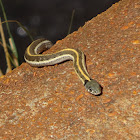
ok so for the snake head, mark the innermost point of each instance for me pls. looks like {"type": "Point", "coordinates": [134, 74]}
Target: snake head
{"type": "Point", "coordinates": [93, 87]}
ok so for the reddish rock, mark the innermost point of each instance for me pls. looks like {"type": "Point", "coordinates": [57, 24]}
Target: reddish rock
{"type": "Point", "coordinates": [52, 103]}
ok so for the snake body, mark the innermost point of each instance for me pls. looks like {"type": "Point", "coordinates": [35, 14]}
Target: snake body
{"type": "Point", "coordinates": [34, 58]}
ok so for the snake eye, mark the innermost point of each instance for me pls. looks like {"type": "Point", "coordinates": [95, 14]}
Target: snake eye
{"type": "Point", "coordinates": [89, 90]}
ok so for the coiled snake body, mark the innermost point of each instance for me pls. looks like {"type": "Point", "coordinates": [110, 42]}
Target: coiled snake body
{"type": "Point", "coordinates": [34, 58]}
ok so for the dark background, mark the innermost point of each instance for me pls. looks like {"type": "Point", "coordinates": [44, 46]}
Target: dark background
{"type": "Point", "coordinates": [47, 18]}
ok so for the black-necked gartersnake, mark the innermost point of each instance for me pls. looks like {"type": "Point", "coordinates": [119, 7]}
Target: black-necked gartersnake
{"type": "Point", "coordinates": [34, 58]}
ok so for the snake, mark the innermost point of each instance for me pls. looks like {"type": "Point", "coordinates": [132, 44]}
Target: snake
{"type": "Point", "coordinates": [34, 57]}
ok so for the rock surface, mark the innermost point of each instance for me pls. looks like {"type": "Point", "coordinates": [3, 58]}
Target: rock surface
{"type": "Point", "coordinates": [51, 102]}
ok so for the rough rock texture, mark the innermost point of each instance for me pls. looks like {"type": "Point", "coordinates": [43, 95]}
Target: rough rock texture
{"type": "Point", "coordinates": [51, 102]}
